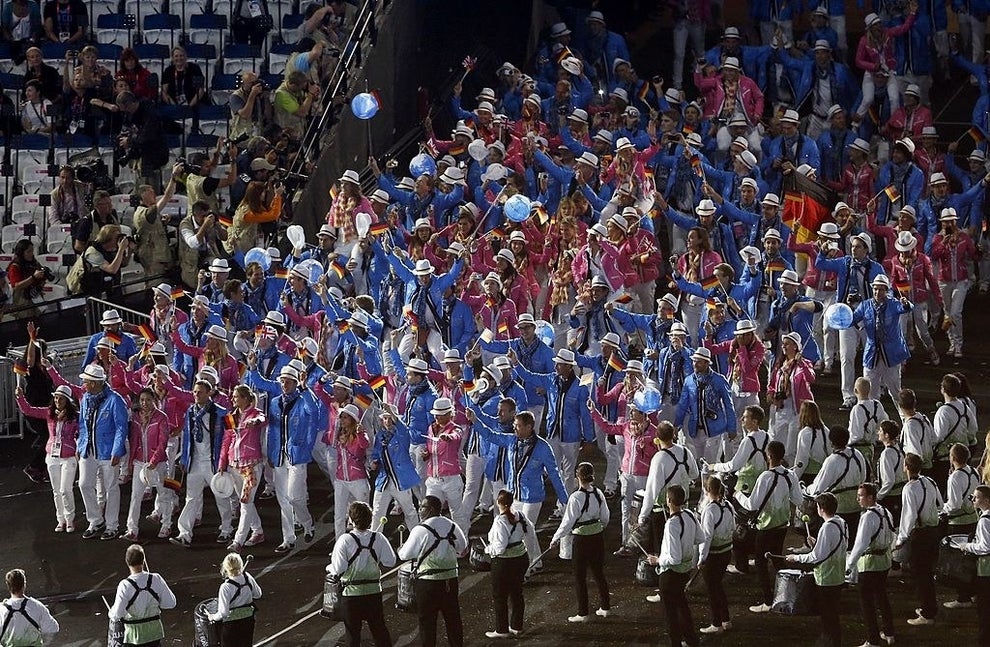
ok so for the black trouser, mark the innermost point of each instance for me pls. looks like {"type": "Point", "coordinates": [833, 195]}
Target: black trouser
{"type": "Point", "coordinates": [852, 525]}
{"type": "Point", "coordinates": [741, 551]}
{"type": "Point", "coordinates": [828, 609]}
{"type": "Point", "coordinates": [508, 574]}
{"type": "Point", "coordinates": [714, 571]}
{"type": "Point", "coordinates": [680, 625]}
{"type": "Point", "coordinates": [589, 554]}
{"type": "Point", "coordinates": [983, 611]}
{"type": "Point", "coordinates": [237, 633]}
{"type": "Point", "coordinates": [768, 541]}
{"type": "Point", "coordinates": [924, 556]}
{"type": "Point", "coordinates": [873, 596]}
{"type": "Point", "coordinates": [893, 504]}
{"type": "Point", "coordinates": [358, 609]}
{"type": "Point", "coordinates": [434, 597]}
{"type": "Point", "coordinates": [964, 593]}
{"type": "Point", "coordinates": [940, 473]}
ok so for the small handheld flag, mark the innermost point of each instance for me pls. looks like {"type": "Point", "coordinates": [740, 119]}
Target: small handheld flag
{"type": "Point", "coordinates": [113, 337]}
{"type": "Point", "coordinates": [378, 229]}
{"type": "Point", "coordinates": [229, 422]}
{"type": "Point", "coordinates": [282, 273]}
{"type": "Point", "coordinates": [147, 332]}
{"type": "Point", "coordinates": [710, 283]}
{"type": "Point", "coordinates": [616, 363]}
{"type": "Point", "coordinates": [178, 293]}
{"type": "Point", "coordinates": [362, 400]}
{"type": "Point", "coordinates": [776, 265]}
{"type": "Point", "coordinates": [903, 287]}
{"type": "Point", "coordinates": [20, 367]}
{"type": "Point", "coordinates": [487, 336]}
{"type": "Point", "coordinates": [892, 193]}
{"type": "Point", "coordinates": [976, 135]}
{"type": "Point", "coordinates": [226, 221]}
{"type": "Point", "coordinates": [334, 191]}
{"type": "Point", "coordinates": [503, 328]}
{"type": "Point", "coordinates": [623, 299]}
{"type": "Point", "coordinates": [338, 269]}
{"type": "Point", "coordinates": [377, 382]}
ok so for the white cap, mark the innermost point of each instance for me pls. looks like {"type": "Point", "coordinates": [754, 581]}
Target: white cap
{"type": "Point", "coordinates": [794, 337]}
{"type": "Point", "coordinates": [771, 199]}
{"type": "Point", "coordinates": [748, 159]}
{"type": "Point", "coordinates": [871, 19]}
{"type": "Point", "coordinates": [948, 213]}
{"type": "Point", "coordinates": [744, 326]}
{"type": "Point", "coordinates": [351, 176]}
{"type": "Point", "coordinates": [217, 332]}
{"type": "Point", "coordinates": [589, 158]}
{"type": "Point", "coordinates": [790, 116]}
{"type": "Point", "coordinates": [937, 178]}
{"type": "Point", "coordinates": [705, 208]}
{"type": "Point", "coordinates": [611, 339]}
{"type": "Point", "coordinates": [829, 229]}
{"type": "Point", "coordinates": [905, 242]}
{"type": "Point", "coordinates": [790, 277]}
{"type": "Point", "coordinates": [416, 365]}
{"type": "Point", "coordinates": [702, 354]}
{"type": "Point", "coordinates": [423, 267]}
{"type": "Point", "coordinates": [219, 265]}
{"type": "Point", "coordinates": [913, 90]}
{"type": "Point", "coordinates": [352, 411]}
{"type": "Point", "coordinates": [274, 318]}
{"type": "Point", "coordinates": [773, 234]}
{"type": "Point", "coordinates": [288, 373]}
{"type": "Point", "coordinates": [881, 280]}
{"type": "Point", "coordinates": [452, 355]}
{"type": "Point", "coordinates": [525, 319]}
{"type": "Point", "coordinates": [380, 196]}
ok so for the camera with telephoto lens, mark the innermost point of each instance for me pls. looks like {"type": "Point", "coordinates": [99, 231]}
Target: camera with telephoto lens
{"type": "Point", "coordinates": [711, 415]}
{"type": "Point", "coordinates": [49, 275]}
{"type": "Point", "coordinates": [854, 300]}
{"type": "Point", "coordinates": [185, 166]}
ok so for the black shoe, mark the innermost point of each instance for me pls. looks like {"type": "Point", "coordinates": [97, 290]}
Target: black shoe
{"type": "Point", "coordinates": [611, 494]}
{"type": "Point", "coordinates": [847, 406]}
{"type": "Point", "coordinates": [284, 548]}
{"type": "Point", "coordinates": [92, 533]}
{"type": "Point", "coordinates": [267, 494]}
{"type": "Point", "coordinates": [297, 527]}
{"type": "Point", "coordinates": [225, 537]}
{"type": "Point", "coordinates": [309, 536]}
{"type": "Point", "coordinates": [109, 535]}
{"type": "Point", "coordinates": [179, 541]}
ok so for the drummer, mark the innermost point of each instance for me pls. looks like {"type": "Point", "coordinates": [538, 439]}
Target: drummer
{"type": "Point", "coordinates": [843, 471]}
{"type": "Point", "coordinates": [507, 547]}
{"type": "Point", "coordinates": [960, 510]}
{"type": "Point", "coordinates": [25, 620]}
{"type": "Point", "coordinates": [920, 505]}
{"type": "Point", "coordinates": [141, 597]}
{"type": "Point", "coordinates": [980, 547]}
{"type": "Point", "coordinates": [870, 557]}
{"type": "Point", "coordinates": [235, 603]}
{"type": "Point", "coordinates": [890, 468]}
{"type": "Point", "coordinates": [829, 558]}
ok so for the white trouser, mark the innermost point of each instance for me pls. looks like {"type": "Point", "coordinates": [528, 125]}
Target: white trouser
{"type": "Point", "coordinates": [566, 455]}
{"type": "Point", "coordinates": [138, 488]}
{"type": "Point", "coordinates": [403, 498]}
{"type": "Point", "coordinates": [768, 29]}
{"type": "Point", "coordinates": [827, 339]}
{"type": "Point", "coordinates": [489, 492]}
{"type": "Point", "coordinates": [198, 480]}
{"type": "Point", "coordinates": [434, 343]}
{"type": "Point", "coordinates": [450, 490]}
{"type": "Point", "coordinates": [171, 455]}
{"type": "Point", "coordinates": [739, 403]}
{"type": "Point", "coordinates": [325, 458]}
{"type": "Point", "coordinates": [630, 484]}
{"type": "Point", "coordinates": [762, 315]}
{"type": "Point", "coordinates": [691, 314]}
{"type": "Point", "coordinates": [870, 85]}
{"type": "Point", "coordinates": [954, 298]}
{"type": "Point", "coordinates": [343, 493]}
{"type": "Point", "coordinates": [702, 445]}
{"type": "Point", "coordinates": [882, 376]}
{"type": "Point", "coordinates": [784, 427]}
{"type": "Point", "coordinates": [537, 410]}
{"type": "Point", "coordinates": [474, 482]}
{"type": "Point", "coordinates": [613, 457]}
{"type": "Point", "coordinates": [838, 23]}
{"type": "Point", "coordinates": [683, 29]}
{"type": "Point", "coordinates": [816, 126]}
{"type": "Point", "coordinates": [918, 319]}
{"type": "Point", "coordinates": [290, 491]}
{"type": "Point", "coordinates": [973, 33]}
{"type": "Point", "coordinates": [849, 340]}
{"type": "Point", "coordinates": [643, 297]}
{"type": "Point", "coordinates": [91, 473]}
{"type": "Point", "coordinates": [416, 454]}
{"type": "Point", "coordinates": [532, 513]}
{"type": "Point", "coordinates": [62, 474]}
{"type": "Point", "coordinates": [249, 521]}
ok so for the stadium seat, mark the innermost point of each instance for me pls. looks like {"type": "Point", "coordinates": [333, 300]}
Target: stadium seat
{"type": "Point", "coordinates": [6, 59]}
{"type": "Point", "coordinates": [24, 208]}
{"type": "Point", "coordinates": [10, 234]}
{"type": "Point", "coordinates": [101, 7]}
{"type": "Point", "coordinates": [223, 86]}
{"type": "Point", "coordinates": [290, 28]}
{"type": "Point", "coordinates": [241, 58]}
{"type": "Point", "coordinates": [142, 8]}
{"type": "Point", "coordinates": [222, 7]}
{"type": "Point", "coordinates": [192, 8]}
{"type": "Point", "coordinates": [54, 291]}
{"type": "Point", "coordinates": [215, 127]}
{"type": "Point", "coordinates": [53, 261]}
{"type": "Point", "coordinates": [279, 56]}
{"type": "Point", "coordinates": [122, 205]}
{"type": "Point", "coordinates": [161, 28]}
{"type": "Point", "coordinates": [59, 239]}
{"type": "Point", "coordinates": [207, 29]}
{"type": "Point", "coordinates": [35, 179]}
{"type": "Point", "coordinates": [11, 84]}
{"type": "Point", "coordinates": [116, 28]}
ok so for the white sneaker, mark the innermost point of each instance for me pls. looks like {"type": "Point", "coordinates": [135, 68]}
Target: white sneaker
{"type": "Point", "coordinates": [888, 639]}
{"type": "Point", "coordinates": [578, 619]}
{"type": "Point", "coordinates": [495, 634]}
{"type": "Point", "coordinates": [603, 613]}
{"type": "Point", "coordinates": [655, 598]}
{"type": "Point", "coordinates": [956, 604]}
{"type": "Point", "coordinates": [869, 644]}
{"type": "Point", "coordinates": [921, 621]}
{"type": "Point", "coordinates": [760, 608]}
{"type": "Point", "coordinates": [711, 629]}
{"type": "Point", "coordinates": [726, 625]}
{"type": "Point", "coordinates": [731, 568]}
{"type": "Point", "coordinates": [515, 632]}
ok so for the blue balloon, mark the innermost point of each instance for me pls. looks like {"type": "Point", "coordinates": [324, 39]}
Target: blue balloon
{"type": "Point", "coordinates": [422, 164]}
{"type": "Point", "coordinates": [315, 269]}
{"type": "Point", "coordinates": [647, 400]}
{"type": "Point", "coordinates": [259, 256]}
{"type": "Point", "coordinates": [364, 105]}
{"type": "Point", "coordinates": [517, 208]}
{"type": "Point", "coordinates": [838, 316]}
{"type": "Point", "coordinates": [545, 332]}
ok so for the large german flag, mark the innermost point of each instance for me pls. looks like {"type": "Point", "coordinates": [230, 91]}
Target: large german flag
{"type": "Point", "coordinates": [807, 204]}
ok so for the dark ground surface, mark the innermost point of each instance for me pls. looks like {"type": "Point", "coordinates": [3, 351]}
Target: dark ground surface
{"type": "Point", "coordinates": [71, 575]}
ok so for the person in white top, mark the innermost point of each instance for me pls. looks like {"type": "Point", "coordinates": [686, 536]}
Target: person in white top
{"type": "Point", "coordinates": [24, 620]}
{"type": "Point", "coordinates": [870, 558]}
{"type": "Point", "coordinates": [917, 433]}
{"type": "Point", "coordinates": [864, 419]}
{"type": "Point", "coordinates": [507, 547]}
{"type": "Point", "coordinates": [141, 597]}
{"type": "Point", "coordinates": [952, 424]}
{"type": "Point", "coordinates": [842, 473]}
{"type": "Point", "coordinates": [672, 465]}
{"type": "Point", "coordinates": [920, 505]}
{"type": "Point", "coordinates": [36, 110]}
{"type": "Point", "coordinates": [717, 525]}
{"type": "Point", "coordinates": [235, 603]}
{"type": "Point", "coordinates": [980, 547]}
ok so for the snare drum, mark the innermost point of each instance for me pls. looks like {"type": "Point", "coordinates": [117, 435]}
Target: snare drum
{"type": "Point", "coordinates": [646, 575]}
{"type": "Point", "coordinates": [332, 591]}
{"type": "Point", "coordinates": [405, 595]}
{"type": "Point", "coordinates": [115, 633]}
{"type": "Point", "coordinates": [479, 558]}
{"type": "Point", "coordinates": [955, 568]}
{"type": "Point", "coordinates": [794, 594]}
{"type": "Point", "coordinates": [207, 632]}
{"type": "Point", "coordinates": [566, 546]}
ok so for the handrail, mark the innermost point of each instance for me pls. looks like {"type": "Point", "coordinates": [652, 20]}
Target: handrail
{"type": "Point", "coordinates": [75, 297]}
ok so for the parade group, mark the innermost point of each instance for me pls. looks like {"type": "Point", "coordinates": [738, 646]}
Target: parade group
{"type": "Point", "coordinates": [635, 273]}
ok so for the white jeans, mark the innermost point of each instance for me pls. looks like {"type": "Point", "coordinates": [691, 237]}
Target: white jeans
{"type": "Point", "coordinates": [434, 343]}
{"type": "Point", "coordinates": [883, 376]}
{"type": "Point", "coordinates": [532, 513]}
{"type": "Point", "coordinates": [403, 498]}
{"type": "Point", "coordinates": [450, 490]}
{"type": "Point", "coordinates": [973, 33]}
{"type": "Point", "coordinates": [249, 521]}
{"type": "Point", "coordinates": [691, 315]}
{"type": "Point", "coordinates": [325, 458]}
{"type": "Point", "coordinates": [613, 457]}
{"type": "Point", "coordinates": [91, 472]}
{"type": "Point", "coordinates": [917, 319]}
{"type": "Point", "coordinates": [629, 486]}
{"type": "Point", "coordinates": [849, 340]}
{"type": "Point", "coordinates": [62, 474]}
{"type": "Point", "coordinates": [684, 29]}
{"type": "Point", "coordinates": [784, 427]}
{"type": "Point", "coordinates": [870, 85]}
{"type": "Point", "coordinates": [197, 481]}
{"type": "Point", "coordinates": [954, 297]}
{"type": "Point", "coordinates": [827, 339]}
{"type": "Point", "coordinates": [171, 455]}
{"type": "Point", "coordinates": [291, 493]}
{"type": "Point", "coordinates": [838, 23]}
{"type": "Point", "coordinates": [566, 455]}
{"type": "Point", "coordinates": [643, 297]}
{"type": "Point", "coordinates": [474, 482]}
{"type": "Point", "coordinates": [703, 446]}
{"type": "Point", "coordinates": [343, 493]}
{"type": "Point", "coordinates": [138, 488]}
{"type": "Point", "coordinates": [416, 454]}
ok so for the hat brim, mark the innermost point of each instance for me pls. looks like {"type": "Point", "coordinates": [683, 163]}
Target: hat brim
{"type": "Point", "coordinates": [701, 357]}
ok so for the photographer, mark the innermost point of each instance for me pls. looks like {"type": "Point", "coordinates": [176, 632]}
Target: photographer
{"type": "Point", "coordinates": [27, 278]}
{"type": "Point", "coordinates": [88, 226]}
{"type": "Point", "coordinates": [199, 236]}
{"type": "Point", "coordinates": [103, 260]}
{"type": "Point", "coordinates": [305, 59]}
{"type": "Point", "coordinates": [262, 203]}
{"type": "Point", "coordinates": [294, 100]}
{"type": "Point", "coordinates": [68, 198]}
{"type": "Point", "coordinates": [153, 250]}
{"type": "Point", "coordinates": [250, 107]}
{"type": "Point", "coordinates": [145, 139]}
{"type": "Point", "coordinates": [195, 176]}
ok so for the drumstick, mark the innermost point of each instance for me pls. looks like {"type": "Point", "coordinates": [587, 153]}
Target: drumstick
{"type": "Point", "coordinates": [381, 523]}
{"type": "Point", "coordinates": [807, 530]}
{"type": "Point", "coordinates": [538, 559]}
{"type": "Point", "coordinates": [639, 545]}
{"type": "Point", "coordinates": [107, 604]}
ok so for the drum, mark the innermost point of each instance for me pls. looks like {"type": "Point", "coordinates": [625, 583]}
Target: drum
{"type": "Point", "coordinates": [207, 633]}
{"type": "Point", "coordinates": [638, 499]}
{"type": "Point", "coordinates": [480, 560]}
{"type": "Point", "coordinates": [566, 546]}
{"type": "Point", "coordinates": [405, 596]}
{"type": "Point", "coordinates": [646, 575]}
{"type": "Point", "coordinates": [639, 536]}
{"type": "Point", "coordinates": [794, 594]}
{"type": "Point", "coordinates": [902, 554]}
{"type": "Point", "coordinates": [332, 591]}
{"type": "Point", "coordinates": [115, 634]}
{"type": "Point", "coordinates": [955, 568]}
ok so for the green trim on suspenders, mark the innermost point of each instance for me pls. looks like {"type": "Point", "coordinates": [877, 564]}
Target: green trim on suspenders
{"type": "Point", "coordinates": [589, 526]}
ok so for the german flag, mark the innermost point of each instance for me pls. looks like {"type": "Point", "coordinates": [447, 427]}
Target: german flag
{"type": "Point", "coordinates": [711, 303]}
{"type": "Point", "coordinates": [503, 328]}
{"type": "Point", "coordinates": [892, 193]}
{"type": "Point", "coordinates": [709, 283]}
{"type": "Point", "coordinates": [807, 204]}
{"type": "Point", "coordinates": [776, 265]}
{"type": "Point", "coordinates": [413, 320]}
{"type": "Point", "coordinates": [498, 232]}
{"type": "Point", "coordinates": [226, 221]}
{"type": "Point", "coordinates": [562, 54]}
{"type": "Point", "coordinates": [903, 287]}
{"type": "Point", "coordinates": [456, 150]}
{"type": "Point", "coordinates": [378, 229]}
{"type": "Point", "coordinates": [696, 165]}
{"type": "Point", "coordinates": [343, 326]}
{"type": "Point", "coordinates": [338, 269]}
{"type": "Point", "coordinates": [541, 215]}
{"type": "Point", "coordinates": [362, 400]}
{"type": "Point", "coordinates": [616, 362]}
{"type": "Point", "coordinates": [623, 299]}
{"type": "Point", "coordinates": [687, 129]}
{"type": "Point", "coordinates": [644, 91]}
{"type": "Point", "coordinates": [146, 331]}
{"type": "Point", "coordinates": [334, 192]}
{"type": "Point", "coordinates": [282, 273]}
{"type": "Point", "coordinates": [976, 135]}
{"type": "Point", "coordinates": [467, 385]}
{"type": "Point", "coordinates": [178, 293]}
{"type": "Point", "coordinates": [21, 367]}
{"type": "Point", "coordinates": [377, 382]}
{"type": "Point", "coordinates": [229, 422]}
{"type": "Point", "coordinates": [113, 337]}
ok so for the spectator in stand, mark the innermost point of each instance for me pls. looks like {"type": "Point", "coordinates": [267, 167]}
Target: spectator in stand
{"type": "Point", "coordinates": [293, 101]}
{"type": "Point", "coordinates": [90, 225]}
{"type": "Point", "coordinates": [251, 21]}
{"type": "Point", "coordinates": [45, 74]}
{"type": "Point", "coordinates": [250, 107]}
{"type": "Point", "coordinates": [105, 256]}
{"type": "Point", "coordinates": [183, 82]}
{"type": "Point", "coordinates": [36, 111]}
{"type": "Point", "coordinates": [66, 21]}
{"type": "Point", "coordinates": [145, 139]}
{"type": "Point", "coordinates": [20, 22]}
{"type": "Point", "coordinates": [262, 203]}
{"type": "Point", "coordinates": [139, 80]}
{"type": "Point", "coordinates": [76, 115]}
{"type": "Point", "coordinates": [69, 198]}
{"type": "Point", "coordinates": [27, 278]}
{"type": "Point", "coordinates": [87, 65]}
{"type": "Point", "coordinates": [317, 24]}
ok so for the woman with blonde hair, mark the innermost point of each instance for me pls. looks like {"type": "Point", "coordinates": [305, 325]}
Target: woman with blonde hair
{"type": "Point", "coordinates": [348, 201]}
{"type": "Point", "coordinates": [235, 603]}
{"type": "Point", "coordinates": [262, 203]}
{"type": "Point", "coordinates": [214, 353]}
{"type": "Point", "coordinates": [241, 451]}
{"type": "Point", "coordinates": [812, 443]}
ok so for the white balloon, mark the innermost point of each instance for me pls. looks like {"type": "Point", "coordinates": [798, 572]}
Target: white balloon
{"type": "Point", "coordinates": [362, 222]}
{"type": "Point", "coordinates": [296, 236]}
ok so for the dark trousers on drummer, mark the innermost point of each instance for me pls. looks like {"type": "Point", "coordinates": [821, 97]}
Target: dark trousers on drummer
{"type": "Point", "coordinates": [828, 610]}
{"type": "Point", "coordinates": [983, 611]}
{"type": "Point", "coordinates": [508, 574]}
{"type": "Point", "coordinates": [433, 598]}
{"type": "Point", "coordinates": [680, 625]}
{"type": "Point", "coordinates": [924, 557]}
{"type": "Point", "coordinates": [964, 593]}
{"type": "Point", "coordinates": [714, 572]}
{"type": "Point", "coordinates": [768, 541]}
{"type": "Point", "coordinates": [852, 525]}
{"type": "Point", "coordinates": [237, 633]}
{"type": "Point", "coordinates": [873, 596]}
{"type": "Point", "coordinates": [589, 554]}
{"type": "Point", "coordinates": [358, 609]}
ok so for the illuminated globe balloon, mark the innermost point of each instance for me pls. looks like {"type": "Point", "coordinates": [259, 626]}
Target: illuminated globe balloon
{"type": "Point", "coordinates": [517, 208]}
{"type": "Point", "coordinates": [838, 316]}
{"type": "Point", "coordinates": [364, 105]}
{"type": "Point", "coordinates": [313, 268]}
{"type": "Point", "coordinates": [647, 400]}
{"type": "Point", "coordinates": [259, 256]}
{"type": "Point", "coordinates": [545, 332]}
{"type": "Point", "coordinates": [422, 164]}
